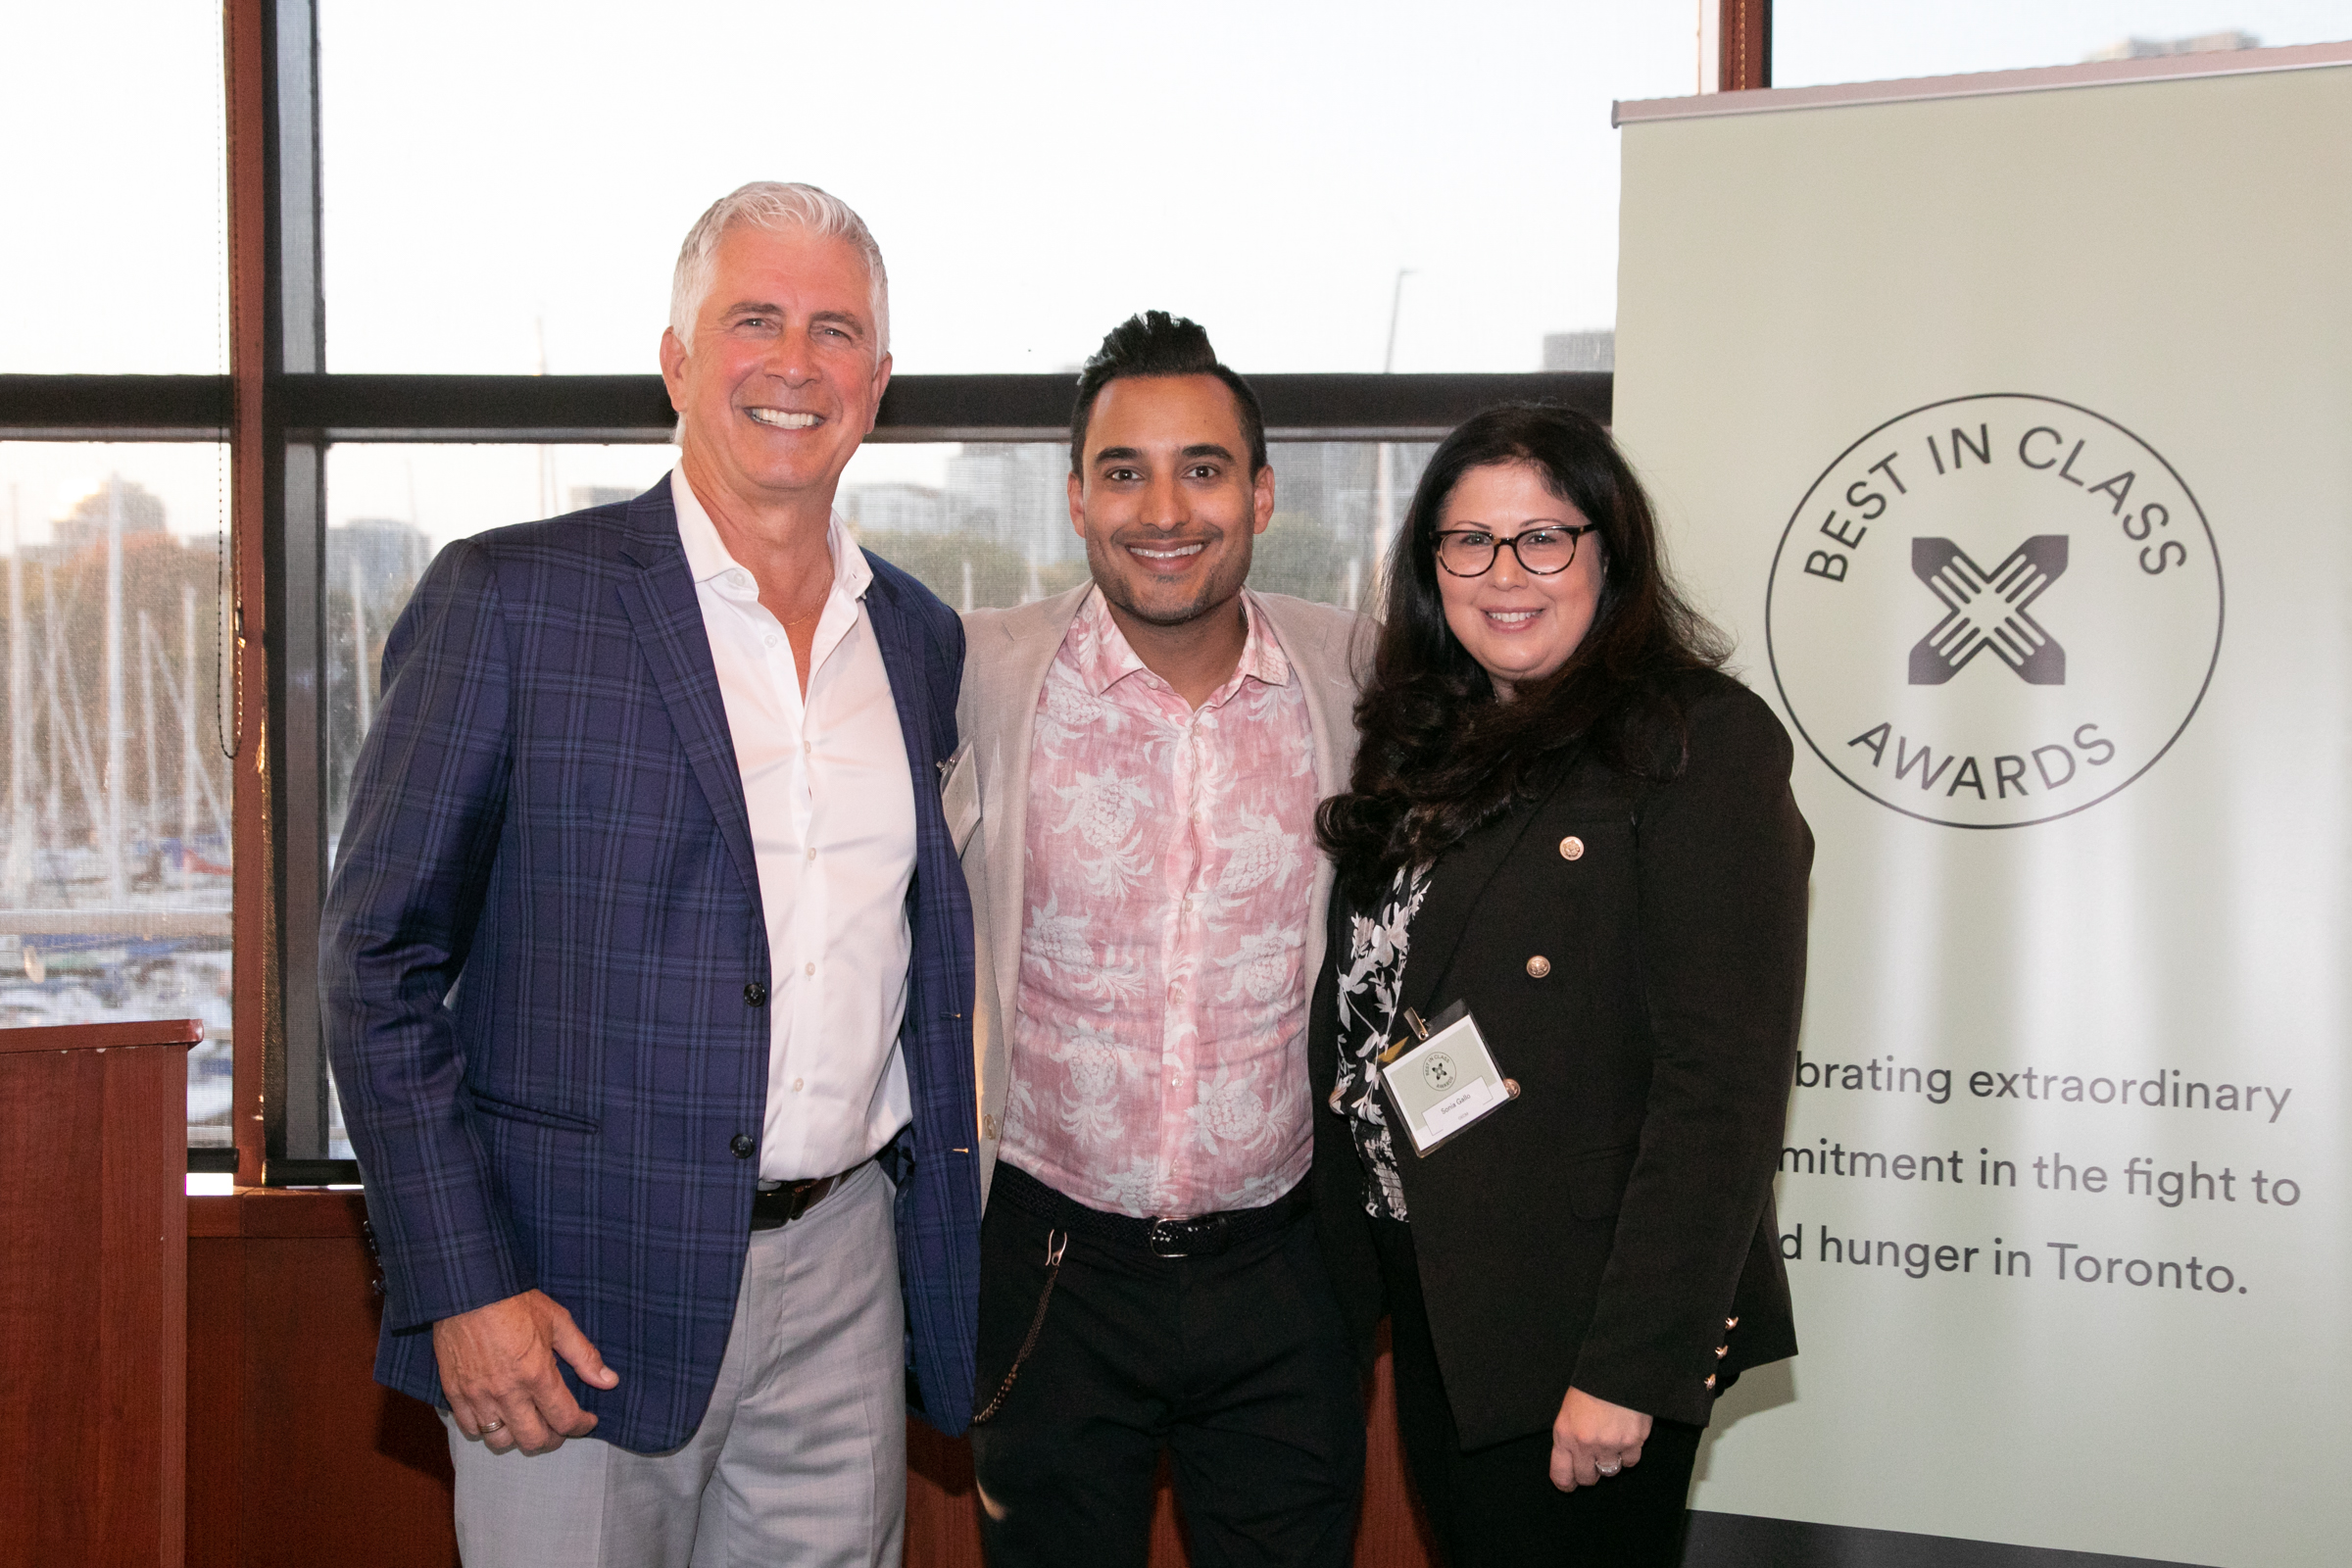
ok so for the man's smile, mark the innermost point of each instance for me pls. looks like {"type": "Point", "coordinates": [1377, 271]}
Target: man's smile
{"type": "Point", "coordinates": [785, 418]}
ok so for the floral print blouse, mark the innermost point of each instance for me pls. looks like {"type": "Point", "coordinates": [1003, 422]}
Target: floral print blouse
{"type": "Point", "coordinates": [1371, 975]}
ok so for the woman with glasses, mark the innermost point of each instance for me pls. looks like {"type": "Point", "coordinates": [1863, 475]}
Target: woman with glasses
{"type": "Point", "coordinates": [1553, 1047]}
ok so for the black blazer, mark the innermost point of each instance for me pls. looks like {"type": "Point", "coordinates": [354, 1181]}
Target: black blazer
{"type": "Point", "coordinates": [1602, 1229]}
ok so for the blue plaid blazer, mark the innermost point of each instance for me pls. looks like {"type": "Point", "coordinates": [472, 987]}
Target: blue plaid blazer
{"type": "Point", "coordinates": [534, 956]}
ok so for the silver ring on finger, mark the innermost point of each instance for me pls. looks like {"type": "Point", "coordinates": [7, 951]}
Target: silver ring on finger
{"type": "Point", "coordinates": [489, 1427]}
{"type": "Point", "coordinates": [1609, 1469]}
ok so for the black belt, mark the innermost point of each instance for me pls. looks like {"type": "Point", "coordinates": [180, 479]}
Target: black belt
{"type": "Point", "coordinates": [1200, 1236]}
{"type": "Point", "coordinates": [775, 1206]}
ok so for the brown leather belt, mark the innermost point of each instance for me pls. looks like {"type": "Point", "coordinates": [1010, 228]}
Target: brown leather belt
{"type": "Point", "coordinates": [775, 1207]}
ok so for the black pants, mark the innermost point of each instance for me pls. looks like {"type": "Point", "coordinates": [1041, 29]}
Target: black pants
{"type": "Point", "coordinates": [1497, 1507]}
{"type": "Point", "coordinates": [1236, 1363]}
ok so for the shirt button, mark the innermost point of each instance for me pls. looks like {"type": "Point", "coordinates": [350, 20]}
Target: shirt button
{"type": "Point", "coordinates": [813, 855]}
{"type": "Point", "coordinates": [771, 639]}
{"type": "Point", "coordinates": [811, 969]}
{"type": "Point", "coordinates": [739, 578]}
{"type": "Point", "coordinates": [742, 1144]}
{"type": "Point", "coordinates": [755, 995]}
{"type": "Point", "coordinates": [795, 1086]}
{"type": "Point", "coordinates": [1538, 967]}
{"type": "Point", "coordinates": [1572, 847]}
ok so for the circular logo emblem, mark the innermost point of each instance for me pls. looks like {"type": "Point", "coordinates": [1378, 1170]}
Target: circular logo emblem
{"type": "Point", "coordinates": [1994, 611]}
{"type": "Point", "coordinates": [1438, 1071]}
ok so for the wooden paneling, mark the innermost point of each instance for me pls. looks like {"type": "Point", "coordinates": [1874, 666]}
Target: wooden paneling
{"type": "Point", "coordinates": [142, 1332]}
{"type": "Point", "coordinates": [93, 1248]}
{"type": "Point", "coordinates": [48, 1355]}
{"type": "Point", "coordinates": [1391, 1533]}
{"type": "Point", "coordinates": [298, 1457]}
{"type": "Point", "coordinates": [216, 1384]}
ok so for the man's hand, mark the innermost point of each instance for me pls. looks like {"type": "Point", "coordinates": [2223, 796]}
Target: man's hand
{"type": "Point", "coordinates": [498, 1368]}
{"type": "Point", "coordinates": [1593, 1439]}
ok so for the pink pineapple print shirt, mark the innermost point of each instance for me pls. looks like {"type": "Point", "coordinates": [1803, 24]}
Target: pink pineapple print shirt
{"type": "Point", "coordinates": [1159, 1043]}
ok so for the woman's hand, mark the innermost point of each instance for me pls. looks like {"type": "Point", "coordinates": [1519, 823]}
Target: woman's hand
{"type": "Point", "coordinates": [1593, 1439]}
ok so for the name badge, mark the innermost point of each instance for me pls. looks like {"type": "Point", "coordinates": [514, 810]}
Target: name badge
{"type": "Point", "coordinates": [1444, 1083]}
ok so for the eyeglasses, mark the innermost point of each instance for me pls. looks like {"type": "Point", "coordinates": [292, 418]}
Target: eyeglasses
{"type": "Point", "coordinates": [1540, 551]}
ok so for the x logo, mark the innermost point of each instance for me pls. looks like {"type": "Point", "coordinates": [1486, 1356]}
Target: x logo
{"type": "Point", "coordinates": [1968, 628]}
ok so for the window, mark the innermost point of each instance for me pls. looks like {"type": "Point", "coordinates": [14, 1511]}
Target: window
{"type": "Point", "coordinates": [118, 853]}
{"type": "Point", "coordinates": [117, 206]}
{"type": "Point", "coordinates": [1033, 172]}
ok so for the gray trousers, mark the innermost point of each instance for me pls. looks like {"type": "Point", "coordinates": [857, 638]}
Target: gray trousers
{"type": "Point", "coordinates": [800, 1460]}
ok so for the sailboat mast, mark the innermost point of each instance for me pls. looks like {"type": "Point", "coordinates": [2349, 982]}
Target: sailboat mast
{"type": "Point", "coordinates": [114, 728]}
{"type": "Point", "coordinates": [187, 727]}
{"type": "Point", "coordinates": [52, 655]}
{"type": "Point", "coordinates": [151, 825]}
{"type": "Point", "coordinates": [363, 681]}
{"type": "Point", "coordinates": [20, 721]}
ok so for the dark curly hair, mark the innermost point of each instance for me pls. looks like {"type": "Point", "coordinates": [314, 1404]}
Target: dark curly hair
{"type": "Point", "coordinates": [1441, 756]}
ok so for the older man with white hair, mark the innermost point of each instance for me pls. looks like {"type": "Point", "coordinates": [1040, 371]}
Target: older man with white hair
{"type": "Point", "coordinates": [649, 969]}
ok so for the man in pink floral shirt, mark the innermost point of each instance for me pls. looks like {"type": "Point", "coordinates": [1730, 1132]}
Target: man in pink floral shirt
{"type": "Point", "coordinates": [1136, 809]}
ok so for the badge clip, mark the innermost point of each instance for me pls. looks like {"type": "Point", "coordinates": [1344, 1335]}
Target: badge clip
{"type": "Point", "coordinates": [1413, 1021]}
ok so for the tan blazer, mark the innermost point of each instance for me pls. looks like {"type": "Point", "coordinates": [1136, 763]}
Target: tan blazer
{"type": "Point", "coordinates": [1006, 653]}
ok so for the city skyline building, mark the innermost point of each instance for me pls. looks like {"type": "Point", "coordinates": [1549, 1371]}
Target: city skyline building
{"type": "Point", "coordinates": [895, 507]}
{"type": "Point", "coordinates": [1592, 350]}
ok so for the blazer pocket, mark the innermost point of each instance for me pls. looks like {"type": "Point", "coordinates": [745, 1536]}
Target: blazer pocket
{"type": "Point", "coordinates": [1597, 1182]}
{"type": "Point", "coordinates": [959, 795]}
{"type": "Point", "coordinates": [509, 1110]}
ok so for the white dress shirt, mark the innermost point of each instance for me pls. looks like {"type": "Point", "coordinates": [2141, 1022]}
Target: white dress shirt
{"type": "Point", "coordinates": [832, 815]}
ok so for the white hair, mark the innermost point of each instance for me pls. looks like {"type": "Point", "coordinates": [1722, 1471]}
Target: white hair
{"type": "Point", "coordinates": [774, 206]}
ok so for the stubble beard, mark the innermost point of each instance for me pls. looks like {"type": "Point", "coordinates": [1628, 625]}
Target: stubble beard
{"type": "Point", "coordinates": [1112, 569]}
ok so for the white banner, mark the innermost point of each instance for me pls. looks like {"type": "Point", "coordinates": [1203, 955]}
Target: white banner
{"type": "Point", "coordinates": [2011, 435]}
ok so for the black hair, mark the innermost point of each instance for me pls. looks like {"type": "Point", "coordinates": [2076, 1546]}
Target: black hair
{"type": "Point", "coordinates": [1155, 343]}
{"type": "Point", "coordinates": [1441, 756]}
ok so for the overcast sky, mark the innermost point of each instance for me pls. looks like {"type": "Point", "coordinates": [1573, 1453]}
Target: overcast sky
{"type": "Point", "coordinates": [506, 185]}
